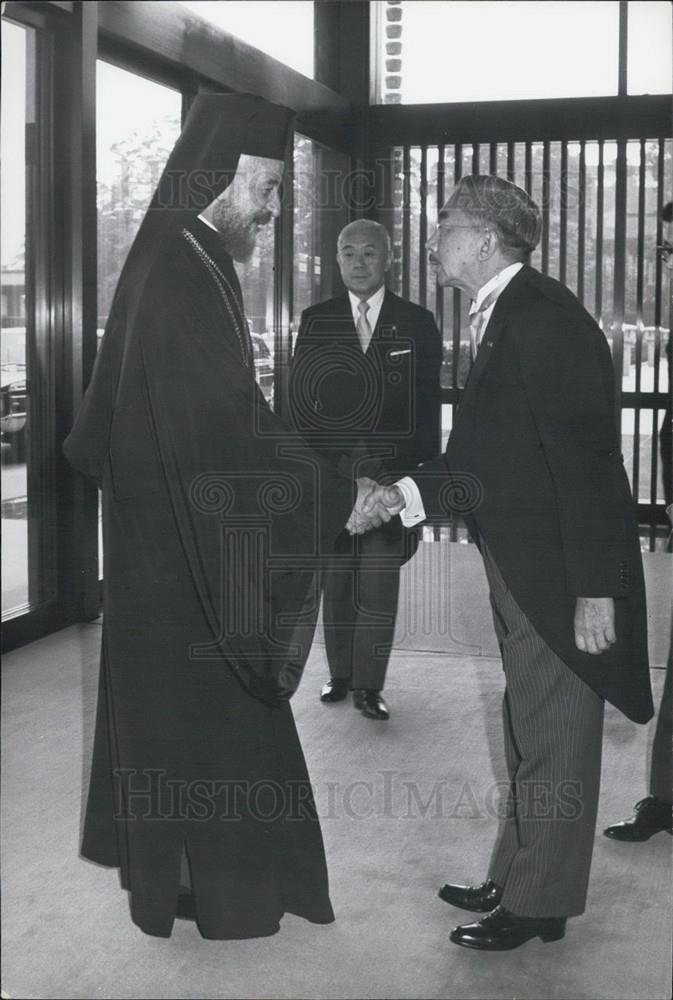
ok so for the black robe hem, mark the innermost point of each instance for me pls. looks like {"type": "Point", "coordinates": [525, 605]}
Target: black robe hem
{"type": "Point", "coordinates": [185, 909]}
{"type": "Point", "coordinates": [268, 929]}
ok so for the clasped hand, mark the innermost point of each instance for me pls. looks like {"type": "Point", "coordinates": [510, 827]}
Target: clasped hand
{"type": "Point", "coordinates": [374, 506]}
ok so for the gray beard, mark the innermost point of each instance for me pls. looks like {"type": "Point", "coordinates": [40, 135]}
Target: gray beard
{"type": "Point", "coordinates": [238, 236]}
{"type": "Point", "coordinates": [239, 240]}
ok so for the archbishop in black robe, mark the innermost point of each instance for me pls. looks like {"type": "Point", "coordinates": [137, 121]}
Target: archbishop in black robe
{"type": "Point", "coordinates": [199, 791]}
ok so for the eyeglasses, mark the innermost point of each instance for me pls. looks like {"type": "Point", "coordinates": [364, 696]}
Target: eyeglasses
{"type": "Point", "coordinates": [665, 250]}
{"type": "Point", "coordinates": [447, 227]}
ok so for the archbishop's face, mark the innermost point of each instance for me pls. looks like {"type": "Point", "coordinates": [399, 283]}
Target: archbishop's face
{"type": "Point", "coordinates": [250, 202]}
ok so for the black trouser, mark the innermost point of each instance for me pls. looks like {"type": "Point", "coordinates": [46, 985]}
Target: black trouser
{"type": "Point", "coordinates": [360, 594]}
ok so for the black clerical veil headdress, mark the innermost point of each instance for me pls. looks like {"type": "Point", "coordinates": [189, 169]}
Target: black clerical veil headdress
{"type": "Point", "coordinates": [218, 129]}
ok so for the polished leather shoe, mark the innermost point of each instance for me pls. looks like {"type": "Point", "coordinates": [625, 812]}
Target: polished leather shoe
{"type": "Point", "coordinates": [502, 931]}
{"type": "Point", "coordinates": [478, 898]}
{"type": "Point", "coordinates": [335, 690]}
{"type": "Point", "coordinates": [370, 703]}
{"type": "Point", "coordinates": [652, 815]}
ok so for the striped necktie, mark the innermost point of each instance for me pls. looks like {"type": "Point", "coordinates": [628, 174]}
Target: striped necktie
{"type": "Point", "coordinates": [478, 319]}
{"type": "Point", "coordinates": [363, 329]}
{"type": "Point", "coordinates": [477, 324]}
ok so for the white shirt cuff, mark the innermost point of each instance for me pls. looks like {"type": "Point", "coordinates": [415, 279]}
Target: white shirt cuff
{"type": "Point", "coordinates": [413, 511]}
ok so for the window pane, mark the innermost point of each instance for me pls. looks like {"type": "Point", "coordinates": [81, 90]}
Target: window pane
{"type": "Point", "coordinates": [282, 30]}
{"type": "Point", "coordinates": [429, 52]}
{"type": "Point", "coordinates": [650, 62]}
{"type": "Point", "coordinates": [640, 447]}
{"type": "Point", "coordinates": [137, 125]}
{"type": "Point", "coordinates": [306, 262]}
{"type": "Point", "coordinates": [321, 194]}
{"type": "Point", "coordinates": [646, 281]}
{"type": "Point", "coordinates": [14, 323]}
{"type": "Point", "coordinates": [257, 277]}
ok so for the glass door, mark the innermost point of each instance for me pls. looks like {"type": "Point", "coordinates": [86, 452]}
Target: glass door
{"type": "Point", "coordinates": [27, 483]}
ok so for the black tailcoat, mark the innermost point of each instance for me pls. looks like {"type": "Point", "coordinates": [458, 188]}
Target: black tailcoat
{"type": "Point", "coordinates": [534, 461]}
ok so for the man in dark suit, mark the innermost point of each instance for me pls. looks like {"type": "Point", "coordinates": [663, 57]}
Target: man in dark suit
{"type": "Point", "coordinates": [364, 391]}
{"type": "Point", "coordinates": [534, 459]}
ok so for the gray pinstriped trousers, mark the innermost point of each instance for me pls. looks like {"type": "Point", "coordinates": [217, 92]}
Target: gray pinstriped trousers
{"type": "Point", "coordinates": [660, 770]}
{"type": "Point", "coordinates": [553, 725]}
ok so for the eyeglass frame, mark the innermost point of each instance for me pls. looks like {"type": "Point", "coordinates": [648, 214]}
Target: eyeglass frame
{"type": "Point", "coordinates": [434, 234]}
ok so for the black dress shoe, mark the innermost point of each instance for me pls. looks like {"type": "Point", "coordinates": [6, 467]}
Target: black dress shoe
{"type": "Point", "coordinates": [335, 690]}
{"type": "Point", "coordinates": [652, 815]}
{"type": "Point", "coordinates": [502, 931]}
{"type": "Point", "coordinates": [478, 898]}
{"type": "Point", "coordinates": [370, 703]}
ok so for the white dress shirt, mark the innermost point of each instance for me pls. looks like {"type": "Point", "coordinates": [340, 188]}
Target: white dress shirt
{"type": "Point", "coordinates": [374, 302]}
{"type": "Point", "coordinates": [498, 281]}
{"type": "Point", "coordinates": [414, 511]}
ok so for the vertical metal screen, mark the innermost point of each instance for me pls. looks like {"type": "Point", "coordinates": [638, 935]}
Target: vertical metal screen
{"type": "Point", "coordinates": [601, 203]}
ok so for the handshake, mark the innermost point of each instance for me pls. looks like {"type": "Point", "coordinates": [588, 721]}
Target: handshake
{"type": "Point", "coordinates": [374, 506]}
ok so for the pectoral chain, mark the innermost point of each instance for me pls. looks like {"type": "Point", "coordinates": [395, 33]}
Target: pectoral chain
{"type": "Point", "coordinates": [226, 291]}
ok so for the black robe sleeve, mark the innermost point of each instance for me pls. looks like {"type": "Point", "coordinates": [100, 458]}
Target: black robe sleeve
{"type": "Point", "coordinates": [255, 508]}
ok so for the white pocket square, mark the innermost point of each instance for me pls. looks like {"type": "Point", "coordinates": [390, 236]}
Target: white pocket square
{"type": "Point", "coordinates": [394, 354]}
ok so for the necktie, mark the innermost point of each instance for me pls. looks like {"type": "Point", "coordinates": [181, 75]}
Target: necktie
{"type": "Point", "coordinates": [364, 330]}
{"type": "Point", "coordinates": [478, 319]}
{"type": "Point", "coordinates": [477, 324]}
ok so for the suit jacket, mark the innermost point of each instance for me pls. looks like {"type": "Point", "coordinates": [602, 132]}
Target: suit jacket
{"type": "Point", "coordinates": [377, 413]}
{"type": "Point", "coordinates": [534, 461]}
